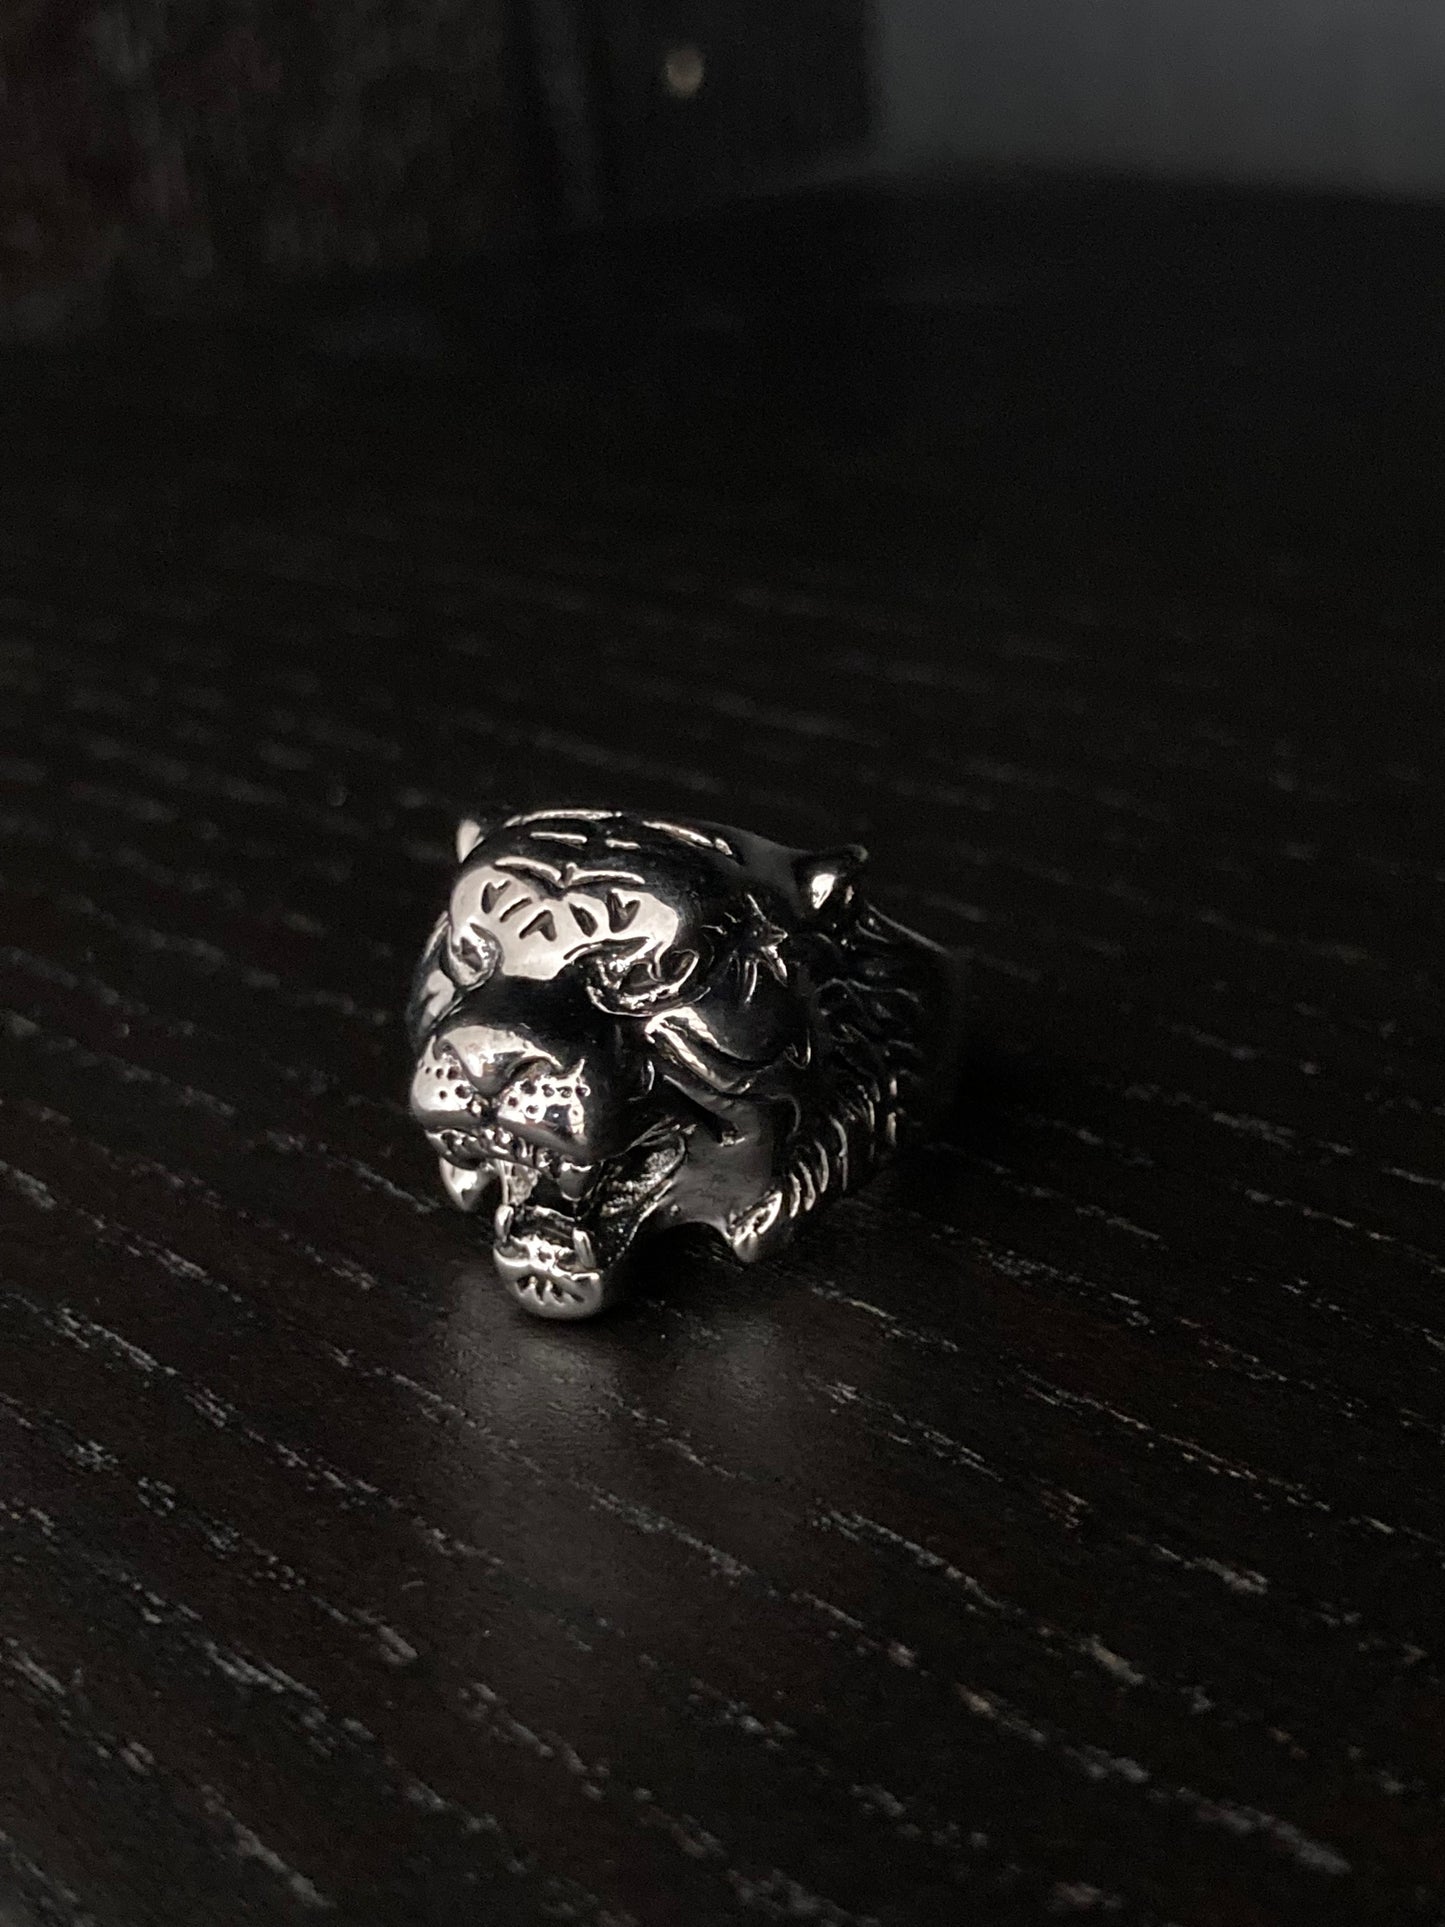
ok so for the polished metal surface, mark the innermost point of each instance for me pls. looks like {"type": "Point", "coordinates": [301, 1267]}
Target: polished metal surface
{"type": "Point", "coordinates": [626, 1023]}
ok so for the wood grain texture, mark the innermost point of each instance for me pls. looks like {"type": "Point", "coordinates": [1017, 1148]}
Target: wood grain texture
{"type": "Point", "coordinates": [1056, 1531]}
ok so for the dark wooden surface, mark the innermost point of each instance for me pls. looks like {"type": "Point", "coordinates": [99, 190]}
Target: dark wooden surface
{"type": "Point", "coordinates": [1056, 1531]}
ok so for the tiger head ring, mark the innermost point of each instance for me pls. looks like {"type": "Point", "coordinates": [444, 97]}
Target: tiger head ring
{"type": "Point", "coordinates": [625, 1023]}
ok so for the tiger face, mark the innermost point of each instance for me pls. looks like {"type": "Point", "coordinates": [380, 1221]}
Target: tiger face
{"type": "Point", "coordinates": [625, 1022]}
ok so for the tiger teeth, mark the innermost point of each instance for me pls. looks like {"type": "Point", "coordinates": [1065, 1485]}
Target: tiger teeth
{"type": "Point", "coordinates": [524, 1160]}
{"type": "Point", "coordinates": [464, 1183]}
{"type": "Point", "coordinates": [538, 1157]}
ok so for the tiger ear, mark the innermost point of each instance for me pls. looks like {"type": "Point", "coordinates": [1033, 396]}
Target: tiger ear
{"type": "Point", "coordinates": [823, 874]}
{"type": "Point", "coordinates": [472, 829]}
{"type": "Point", "coordinates": [469, 834]}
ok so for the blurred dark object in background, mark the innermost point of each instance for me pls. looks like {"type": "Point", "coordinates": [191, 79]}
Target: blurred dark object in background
{"type": "Point", "coordinates": [149, 152]}
{"type": "Point", "coordinates": [659, 106]}
{"type": "Point", "coordinates": [146, 149]}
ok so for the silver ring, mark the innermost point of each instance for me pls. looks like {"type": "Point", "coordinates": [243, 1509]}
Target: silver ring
{"type": "Point", "coordinates": [624, 1023]}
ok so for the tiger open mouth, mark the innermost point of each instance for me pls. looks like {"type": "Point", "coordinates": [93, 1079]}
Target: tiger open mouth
{"type": "Point", "coordinates": [561, 1228]}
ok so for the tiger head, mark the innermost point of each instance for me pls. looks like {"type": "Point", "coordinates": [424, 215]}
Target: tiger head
{"type": "Point", "coordinates": [623, 1021]}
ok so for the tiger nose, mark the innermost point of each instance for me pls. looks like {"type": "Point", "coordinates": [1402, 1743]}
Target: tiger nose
{"type": "Point", "coordinates": [494, 1058]}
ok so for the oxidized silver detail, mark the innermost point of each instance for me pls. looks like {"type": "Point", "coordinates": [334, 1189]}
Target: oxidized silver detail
{"type": "Point", "coordinates": [623, 1022]}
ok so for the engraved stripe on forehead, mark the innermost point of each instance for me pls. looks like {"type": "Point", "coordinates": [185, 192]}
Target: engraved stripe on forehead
{"type": "Point", "coordinates": [563, 876]}
{"type": "Point", "coordinates": [528, 866]}
{"type": "Point", "coordinates": [696, 839]}
{"type": "Point", "coordinates": [685, 833]}
{"type": "Point", "coordinates": [563, 816]}
{"type": "Point", "coordinates": [542, 918]}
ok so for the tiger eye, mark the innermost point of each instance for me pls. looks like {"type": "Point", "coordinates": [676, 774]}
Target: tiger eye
{"type": "Point", "coordinates": [475, 953]}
